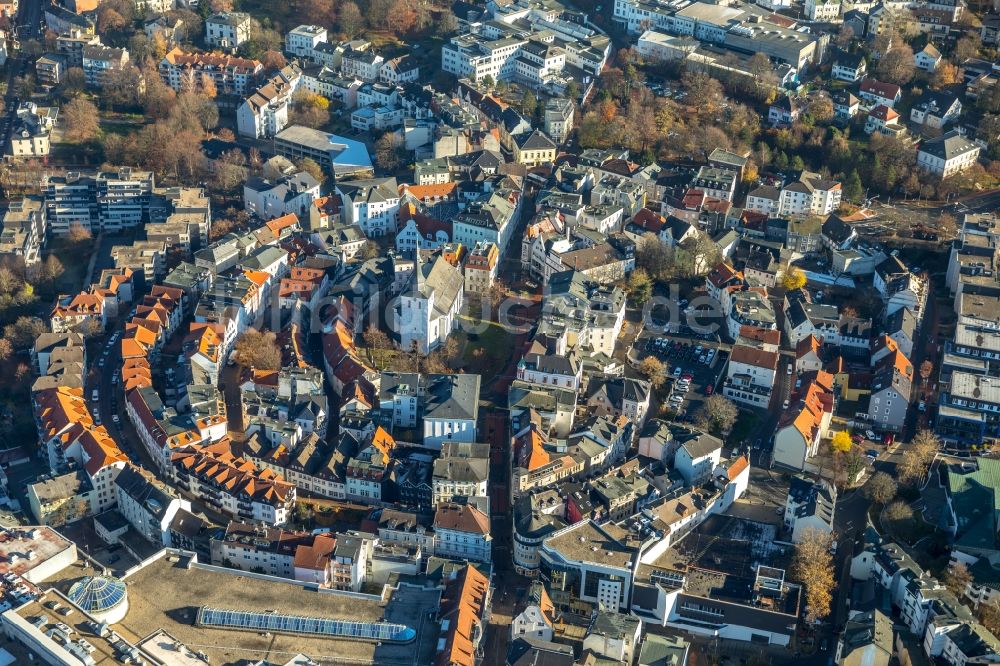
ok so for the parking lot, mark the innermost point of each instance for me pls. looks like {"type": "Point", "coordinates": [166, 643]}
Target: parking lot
{"type": "Point", "coordinates": [693, 366]}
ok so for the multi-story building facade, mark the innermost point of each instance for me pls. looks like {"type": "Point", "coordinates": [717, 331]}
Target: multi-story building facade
{"type": "Point", "coordinates": [750, 375]}
{"type": "Point", "coordinates": [948, 154]}
{"type": "Point", "coordinates": [462, 531]}
{"type": "Point", "coordinates": [370, 204]}
{"type": "Point", "coordinates": [229, 74]}
{"type": "Point", "coordinates": [227, 30]}
{"type": "Point", "coordinates": [102, 201]}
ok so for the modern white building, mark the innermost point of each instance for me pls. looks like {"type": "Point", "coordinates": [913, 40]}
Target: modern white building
{"type": "Point", "coordinates": [227, 30]}
{"type": "Point", "coordinates": [948, 154]}
{"type": "Point", "coordinates": [303, 40]}
{"type": "Point", "coordinates": [809, 505]}
{"type": "Point", "coordinates": [371, 204]}
{"type": "Point", "coordinates": [147, 505]}
{"type": "Point", "coordinates": [292, 194]}
{"type": "Point", "coordinates": [750, 375]}
{"type": "Point", "coordinates": [265, 112]}
{"type": "Point", "coordinates": [810, 194]}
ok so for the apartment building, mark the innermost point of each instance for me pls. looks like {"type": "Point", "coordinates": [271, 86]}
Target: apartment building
{"type": "Point", "coordinates": [370, 204]}
{"type": "Point", "coordinates": [301, 41]}
{"type": "Point", "coordinates": [227, 30]}
{"type": "Point", "coordinates": [231, 484]}
{"type": "Point", "coordinates": [101, 201]}
{"type": "Point", "coordinates": [808, 194]}
{"type": "Point", "coordinates": [948, 154]}
{"type": "Point", "coordinates": [750, 375]}
{"type": "Point", "coordinates": [98, 60]}
{"type": "Point", "coordinates": [231, 75]}
{"type": "Point", "coordinates": [265, 112]}
{"type": "Point", "coordinates": [23, 229]}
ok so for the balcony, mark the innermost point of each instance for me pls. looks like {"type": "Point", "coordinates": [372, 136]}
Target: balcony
{"type": "Point", "coordinates": [746, 387]}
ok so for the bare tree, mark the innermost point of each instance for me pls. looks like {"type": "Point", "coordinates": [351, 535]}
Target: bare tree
{"type": "Point", "coordinates": [653, 370]}
{"type": "Point", "coordinates": [812, 565]}
{"type": "Point", "coordinates": [23, 332]}
{"type": "Point", "coordinates": [79, 120]}
{"type": "Point", "coordinates": [989, 615]}
{"type": "Point", "coordinates": [717, 414]}
{"type": "Point", "coordinates": [79, 233]}
{"type": "Point", "coordinates": [258, 350]}
{"type": "Point", "coordinates": [957, 578]}
{"type": "Point", "coordinates": [881, 489]}
{"type": "Point", "coordinates": [379, 345]}
{"type": "Point", "coordinates": [914, 466]}
{"type": "Point", "coordinates": [898, 65]}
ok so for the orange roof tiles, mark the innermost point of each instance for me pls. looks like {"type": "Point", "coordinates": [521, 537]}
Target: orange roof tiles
{"type": "Point", "coordinates": [737, 467]}
{"type": "Point", "coordinates": [808, 344]}
{"type": "Point", "coordinates": [463, 604]}
{"type": "Point", "coordinates": [768, 336]}
{"type": "Point", "coordinates": [278, 224]}
{"type": "Point", "coordinates": [531, 450]}
{"type": "Point", "coordinates": [723, 273]}
{"type": "Point", "coordinates": [102, 451]}
{"type": "Point", "coordinates": [384, 442]}
{"type": "Point", "coordinates": [59, 408]}
{"type": "Point", "coordinates": [315, 555]}
{"type": "Point", "coordinates": [177, 56]}
{"type": "Point", "coordinates": [259, 278]}
{"type": "Point", "coordinates": [238, 476]}
{"type": "Point", "coordinates": [436, 191]}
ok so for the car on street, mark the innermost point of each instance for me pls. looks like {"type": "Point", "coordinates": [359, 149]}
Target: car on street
{"type": "Point", "coordinates": [788, 370]}
{"type": "Point", "coordinates": [785, 404]}
{"type": "Point", "coordinates": [871, 435]}
{"type": "Point", "coordinates": [872, 453]}
{"type": "Point", "coordinates": [116, 419]}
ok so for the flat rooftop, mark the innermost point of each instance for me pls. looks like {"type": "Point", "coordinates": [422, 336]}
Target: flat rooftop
{"type": "Point", "coordinates": [166, 595]}
{"type": "Point", "coordinates": [980, 306]}
{"type": "Point", "coordinates": [17, 542]}
{"type": "Point", "coordinates": [81, 627]}
{"type": "Point", "coordinates": [975, 387]}
{"type": "Point", "coordinates": [164, 647]}
{"type": "Point", "coordinates": [587, 543]}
